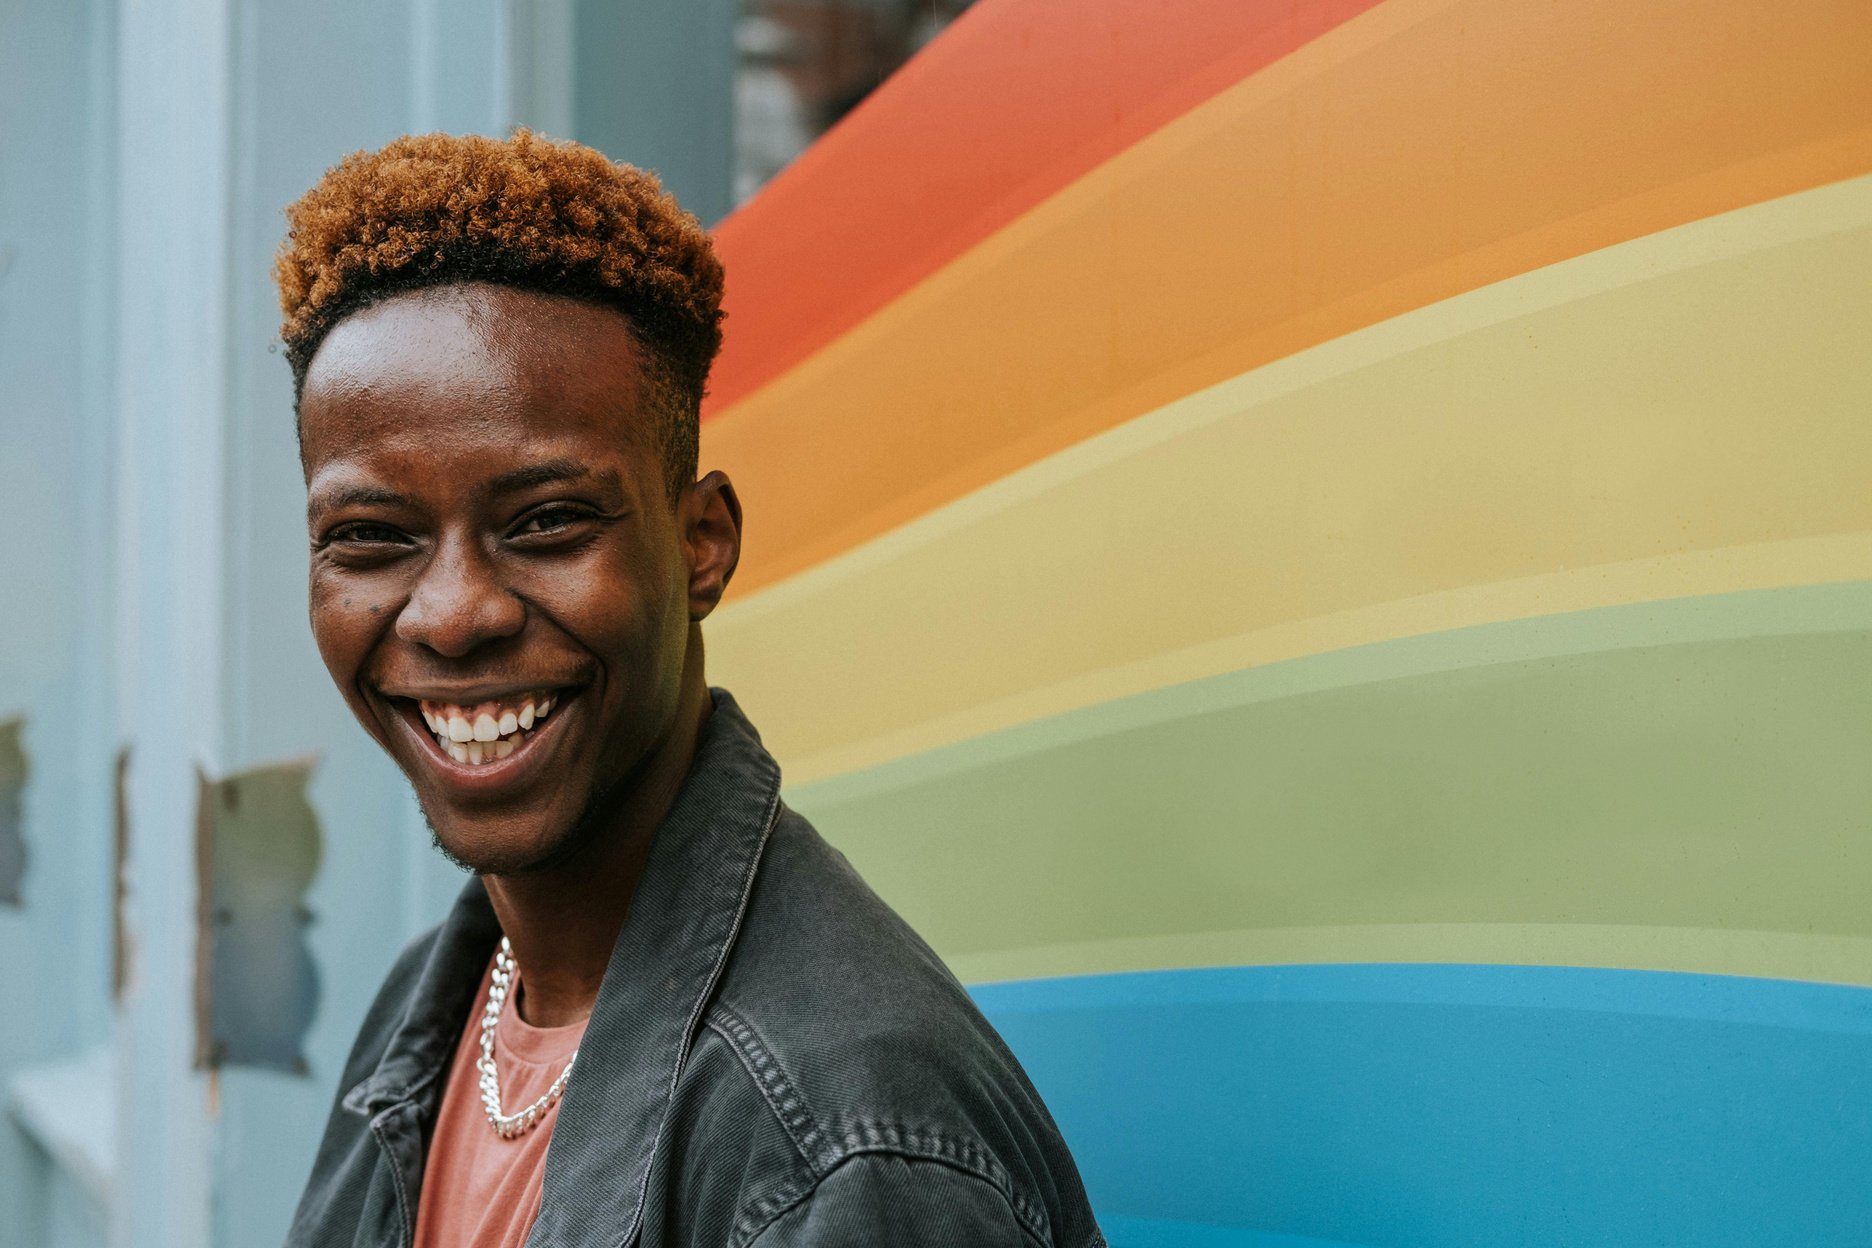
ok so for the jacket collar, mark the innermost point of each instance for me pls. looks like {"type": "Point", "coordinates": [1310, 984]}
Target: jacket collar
{"type": "Point", "coordinates": [436, 1008]}
{"type": "Point", "coordinates": [676, 938]}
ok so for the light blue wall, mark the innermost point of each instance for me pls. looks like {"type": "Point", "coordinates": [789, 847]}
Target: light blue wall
{"type": "Point", "coordinates": [148, 149]}
{"type": "Point", "coordinates": [55, 489]}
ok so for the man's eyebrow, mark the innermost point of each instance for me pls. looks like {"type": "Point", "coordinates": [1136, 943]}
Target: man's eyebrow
{"type": "Point", "coordinates": [354, 496]}
{"type": "Point", "coordinates": [549, 472]}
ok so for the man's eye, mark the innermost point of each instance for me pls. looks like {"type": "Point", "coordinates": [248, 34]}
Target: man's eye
{"type": "Point", "coordinates": [364, 534]}
{"type": "Point", "coordinates": [549, 520]}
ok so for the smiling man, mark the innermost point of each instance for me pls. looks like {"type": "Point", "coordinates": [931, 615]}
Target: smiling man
{"type": "Point", "coordinates": [663, 1011]}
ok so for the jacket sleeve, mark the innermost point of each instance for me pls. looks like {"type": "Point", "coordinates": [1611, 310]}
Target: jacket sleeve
{"type": "Point", "coordinates": [883, 1198]}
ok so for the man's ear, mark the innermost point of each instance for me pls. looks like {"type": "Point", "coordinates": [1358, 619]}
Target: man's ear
{"type": "Point", "coordinates": [711, 520]}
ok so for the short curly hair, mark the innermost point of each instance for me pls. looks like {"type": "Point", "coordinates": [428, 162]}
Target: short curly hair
{"type": "Point", "coordinates": [435, 210]}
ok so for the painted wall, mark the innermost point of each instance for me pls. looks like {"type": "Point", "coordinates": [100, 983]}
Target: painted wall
{"type": "Point", "coordinates": [1321, 552]}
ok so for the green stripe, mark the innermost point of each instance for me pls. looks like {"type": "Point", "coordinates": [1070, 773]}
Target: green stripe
{"type": "Point", "coordinates": [1656, 769]}
{"type": "Point", "coordinates": [1696, 950]}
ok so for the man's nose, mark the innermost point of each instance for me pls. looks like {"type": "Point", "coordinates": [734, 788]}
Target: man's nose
{"type": "Point", "coordinates": [460, 602]}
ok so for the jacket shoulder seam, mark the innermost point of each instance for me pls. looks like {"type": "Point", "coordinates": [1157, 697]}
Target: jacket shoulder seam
{"type": "Point", "coordinates": [775, 1088]}
{"type": "Point", "coordinates": [761, 1217]}
{"type": "Point", "coordinates": [960, 1152]}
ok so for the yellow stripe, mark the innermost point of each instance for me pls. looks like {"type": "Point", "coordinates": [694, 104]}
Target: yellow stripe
{"type": "Point", "coordinates": [1682, 414]}
{"type": "Point", "coordinates": [1770, 565]}
{"type": "Point", "coordinates": [1711, 951]}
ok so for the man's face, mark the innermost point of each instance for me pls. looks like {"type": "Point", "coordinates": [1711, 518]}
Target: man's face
{"type": "Point", "coordinates": [500, 585]}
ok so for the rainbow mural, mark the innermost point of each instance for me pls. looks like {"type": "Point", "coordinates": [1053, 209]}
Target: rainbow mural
{"type": "Point", "coordinates": [1322, 552]}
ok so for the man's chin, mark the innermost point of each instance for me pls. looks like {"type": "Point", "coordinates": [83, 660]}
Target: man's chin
{"type": "Point", "coordinates": [496, 852]}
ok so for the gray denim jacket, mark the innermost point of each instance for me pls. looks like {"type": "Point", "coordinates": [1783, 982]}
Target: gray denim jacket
{"type": "Point", "coordinates": [774, 1059]}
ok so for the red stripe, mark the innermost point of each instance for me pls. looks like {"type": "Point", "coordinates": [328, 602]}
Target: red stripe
{"type": "Point", "coordinates": [986, 122]}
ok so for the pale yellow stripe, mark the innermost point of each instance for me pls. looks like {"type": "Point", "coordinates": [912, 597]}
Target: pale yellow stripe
{"type": "Point", "coordinates": [1710, 951]}
{"type": "Point", "coordinates": [1771, 565]}
{"type": "Point", "coordinates": [1682, 414]}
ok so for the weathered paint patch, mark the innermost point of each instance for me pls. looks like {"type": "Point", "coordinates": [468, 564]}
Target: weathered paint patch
{"type": "Point", "coordinates": [257, 850]}
{"type": "Point", "coordinates": [13, 772]}
{"type": "Point", "coordinates": [120, 880]}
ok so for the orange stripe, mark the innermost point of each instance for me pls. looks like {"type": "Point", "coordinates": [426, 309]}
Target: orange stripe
{"type": "Point", "coordinates": [1422, 150]}
{"type": "Point", "coordinates": [1016, 100]}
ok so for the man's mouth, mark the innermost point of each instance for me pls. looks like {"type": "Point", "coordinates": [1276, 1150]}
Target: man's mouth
{"type": "Point", "coordinates": [486, 732]}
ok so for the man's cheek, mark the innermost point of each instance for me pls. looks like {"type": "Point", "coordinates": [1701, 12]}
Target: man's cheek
{"type": "Point", "coordinates": [335, 649]}
{"type": "Point", "coordinates": [321, 597]}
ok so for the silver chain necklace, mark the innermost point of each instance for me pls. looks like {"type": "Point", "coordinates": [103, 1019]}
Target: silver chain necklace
{"type": "Point", "coordinates": [507, 1126]}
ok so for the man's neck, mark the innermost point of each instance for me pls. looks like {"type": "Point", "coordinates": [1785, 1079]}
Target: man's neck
{"type": "Point", "coordinates": [563, 920]}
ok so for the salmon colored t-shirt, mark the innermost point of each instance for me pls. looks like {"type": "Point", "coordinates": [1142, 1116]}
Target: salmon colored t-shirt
{"type": "Point", "coordinates": [479, 1190]}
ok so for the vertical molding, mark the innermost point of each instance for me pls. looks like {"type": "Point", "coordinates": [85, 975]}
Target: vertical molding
{"type": "Point", "coordinates": [175, 125]}
{"type": "Point", "coordinates": [462, 66]}
{"type": "Point", "coordinates": [100, 806]}
{"type": "Point", "coordinates": [540, 64]}
{"type": "Point", "coordinates": [653, 85]}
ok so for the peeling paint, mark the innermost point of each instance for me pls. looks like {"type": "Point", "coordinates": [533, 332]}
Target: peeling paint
{"type": "Point", "coordinates": [257, 850]}
{"type": "Point", "coordinates": [13, 773]}
{"type": "Point", "coordinates": [120, 878]}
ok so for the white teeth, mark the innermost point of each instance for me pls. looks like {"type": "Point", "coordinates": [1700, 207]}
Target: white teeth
{"type": "Point", "coordinates": [489, 735]}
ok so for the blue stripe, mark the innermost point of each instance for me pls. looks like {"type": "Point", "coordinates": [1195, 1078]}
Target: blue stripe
{"type": "Point", "coordinates": [1160, 1233]}
{"type": "Point", "coordinates": [1456, 1105]}
{"type": "Point", "coordinates": [1665, 994]}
